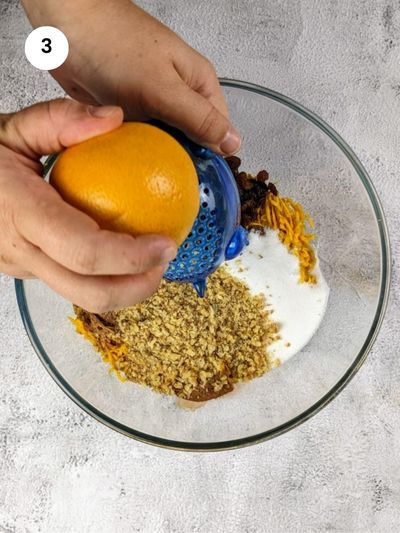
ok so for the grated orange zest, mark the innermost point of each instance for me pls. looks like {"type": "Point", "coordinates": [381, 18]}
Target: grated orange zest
{"type": "Point", "coordinates": [109, 353]}
{"type": "Point", "coordinates": [288, 218]}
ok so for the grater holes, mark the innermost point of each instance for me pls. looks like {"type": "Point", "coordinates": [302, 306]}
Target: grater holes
{"type": "Point", "coordinates": [203, 246]}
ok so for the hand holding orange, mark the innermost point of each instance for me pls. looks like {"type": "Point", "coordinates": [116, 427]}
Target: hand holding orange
{"type": "Point", "coordinates": [46, 237]}
{"type": "Point", "coordinates": [136, 179]}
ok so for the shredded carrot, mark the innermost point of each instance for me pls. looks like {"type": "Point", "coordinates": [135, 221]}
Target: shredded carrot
{"type": "Point", "coordinates": [109, 353]}
{"type": "Point", "coordinates": [288, 218]}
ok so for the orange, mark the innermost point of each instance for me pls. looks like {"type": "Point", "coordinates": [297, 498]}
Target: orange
{"type": "Point", "coordinates": [136, 179]}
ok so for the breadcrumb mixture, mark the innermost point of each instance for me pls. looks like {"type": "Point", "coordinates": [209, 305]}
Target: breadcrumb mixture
{"type": "Point", "coordinates": [180, 344]}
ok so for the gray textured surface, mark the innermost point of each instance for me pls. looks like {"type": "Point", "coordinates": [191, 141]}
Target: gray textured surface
{"type": "Point", "coordinates": [60, 471]}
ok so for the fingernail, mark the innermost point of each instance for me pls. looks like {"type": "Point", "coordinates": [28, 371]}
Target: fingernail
{"type": "Point", "coordinates": [168, 255]}
{"type": "Point", "coordinates": [231, 142]}
{"type": "Point", "coordinates": [102, 111]}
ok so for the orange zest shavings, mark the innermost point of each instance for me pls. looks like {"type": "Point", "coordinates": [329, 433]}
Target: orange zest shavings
{"type": "Point", "coordinates": [109, 352]}
{"type": "Point", "coordinates": [288, 218]}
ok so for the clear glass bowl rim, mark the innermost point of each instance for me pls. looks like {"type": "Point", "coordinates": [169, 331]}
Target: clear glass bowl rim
{"type": "Point", "coordinates": [317, 406]}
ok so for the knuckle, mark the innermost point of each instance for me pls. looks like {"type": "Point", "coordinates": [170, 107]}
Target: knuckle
{"type": "Point", "coordinates": [107, 299]}
{"type": "Point", "coordinates": [10, 132]}
{"type": "Point", "coordinates": [153, 281]}
{"type": "Point", "coordinates": [209, 67]}
{"type": "Point", "coordinates": [85, 259]}
{"type": "Point", "coordinates": [137, 252]}
{"type": "Point", "coordinates": [11, 266]}
{"type": "Point", "coordinates": [210, 127]}
{"type": "Point", "coordinates": [4, 125]}
{"type": "Point", "coordinates": [13, 134]}
{"type": "Point", "coordinates": [102, 302]}
{"type": "Point", "coordinates": [58, 109]}
{"type": "Point", "coordinates": [138, 263]}
{"type": "Point", "coordinates": [5, 260]}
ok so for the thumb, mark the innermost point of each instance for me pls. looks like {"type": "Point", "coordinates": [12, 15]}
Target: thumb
{"type": "Point", "coordinates": [51, 126]}
{"type": "Point", "coordinates": [199, 119]}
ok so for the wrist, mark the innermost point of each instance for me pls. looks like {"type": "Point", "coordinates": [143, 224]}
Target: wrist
{"type": "Point", "coordinates": [76, 19]}
{"type": "Point", "coordinates": [69, 14]}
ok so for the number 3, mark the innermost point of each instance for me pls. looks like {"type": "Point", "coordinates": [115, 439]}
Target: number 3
{"type": "Point", "coordinates": [47, 45]}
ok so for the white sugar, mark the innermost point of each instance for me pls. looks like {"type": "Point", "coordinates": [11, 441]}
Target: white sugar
{"type": "Point", "coordinates": [269, 268]}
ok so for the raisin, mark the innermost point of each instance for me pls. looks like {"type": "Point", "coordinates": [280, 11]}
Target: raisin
{"type": "Point", "coordinates": [234, 162]}
{"type": "Point", "coordinates": [272, 189]}
{"type": "Point", "coordinates": [244, 181]}
{"type": "Point", "coordinates": [262, 176]}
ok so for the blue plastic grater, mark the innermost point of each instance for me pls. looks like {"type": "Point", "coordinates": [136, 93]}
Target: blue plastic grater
{"type": "Point", "coordinates": [216, 235]}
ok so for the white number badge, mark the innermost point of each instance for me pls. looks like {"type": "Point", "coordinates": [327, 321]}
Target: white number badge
{"type": "Point", "coordinates": [46, 48]}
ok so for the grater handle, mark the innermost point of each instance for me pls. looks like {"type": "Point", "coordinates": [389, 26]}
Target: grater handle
{"type": "Point", "coordinates": [238, 241]}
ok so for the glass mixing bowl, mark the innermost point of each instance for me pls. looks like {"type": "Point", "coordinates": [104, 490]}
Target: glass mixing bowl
{"type": "Point", "coordinates": [311, 163]}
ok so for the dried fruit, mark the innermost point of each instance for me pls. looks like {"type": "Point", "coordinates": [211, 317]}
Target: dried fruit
{"type": "Point", "coordinates": [234, 162]}
{"type": "Point", "coordinates": [263, 175]}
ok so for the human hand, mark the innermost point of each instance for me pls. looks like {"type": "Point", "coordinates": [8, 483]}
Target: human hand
{"type": "Point", "coordinates": [121, 55]}
{"type": "Point", "coordinates": [43, 236]}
